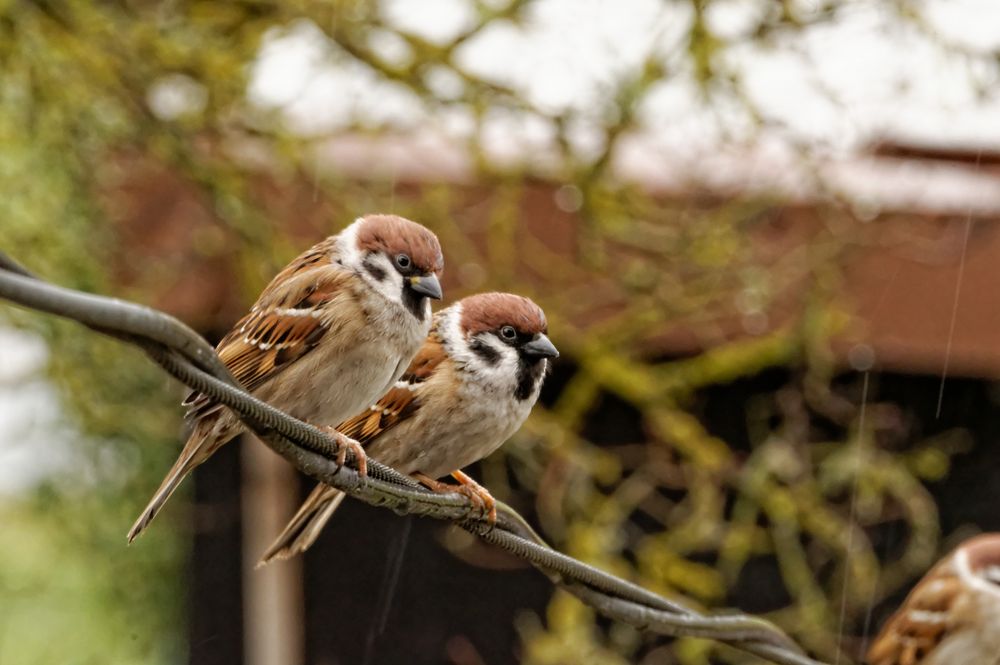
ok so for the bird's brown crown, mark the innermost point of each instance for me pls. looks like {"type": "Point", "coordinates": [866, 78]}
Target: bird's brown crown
{"type": "Point", "coordinates": [393, 235]}
{"type": "Point", "coordinates": [490, 311]}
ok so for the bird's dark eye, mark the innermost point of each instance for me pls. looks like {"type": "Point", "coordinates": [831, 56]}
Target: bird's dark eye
{"type": "Point", "coordinates": [508, 332]}
{"type": "Point", "coordinates": [403, 261]}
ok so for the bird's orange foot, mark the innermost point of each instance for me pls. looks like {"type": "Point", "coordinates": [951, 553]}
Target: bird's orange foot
{"type": "Point", "coordinates": [479, 496]}
{"type": "Point", "coordinates": [346, 443]}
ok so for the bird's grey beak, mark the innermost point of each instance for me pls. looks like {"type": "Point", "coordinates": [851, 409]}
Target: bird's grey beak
{"type": "Point", "coordinates": [427, 285]}
{"type": "Point", "coordinates": [540, 347]}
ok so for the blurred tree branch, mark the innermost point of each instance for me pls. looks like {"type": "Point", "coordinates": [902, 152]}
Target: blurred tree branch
{"type": "Point", "coordinates": [188, 358]}
{"type": "Point", "coordinates": [77, 84]}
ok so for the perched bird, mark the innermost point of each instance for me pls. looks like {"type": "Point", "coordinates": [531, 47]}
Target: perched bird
{"type": "Point", "coordinates": [469, 388]}
{"type": "Point", "coordinates": [952, 617]}
{"type": "Point", "coordinates": [331, 332]}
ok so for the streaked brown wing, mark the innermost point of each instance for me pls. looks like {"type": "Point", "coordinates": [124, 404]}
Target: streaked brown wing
{"type": "Point", "coordinates": [288, 320]}
{"type": "Point", "coordinates": [395, 406]}
{"type": "Point", "coordinates": [920, 624]}
{"type": "Point", "coordinates": [427, 359]}
{"type": "Point", "coordinates": [402, 400]}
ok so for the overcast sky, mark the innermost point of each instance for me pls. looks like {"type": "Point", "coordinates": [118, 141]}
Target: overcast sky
{"type": "Point", "coordinates": [885, 78]}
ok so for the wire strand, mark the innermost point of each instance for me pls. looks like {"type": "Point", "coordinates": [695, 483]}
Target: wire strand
{"type": "Point", "coordinates": [188, 357]}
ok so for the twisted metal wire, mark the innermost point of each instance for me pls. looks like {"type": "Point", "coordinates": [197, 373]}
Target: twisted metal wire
{"type": "Point", "coordinates": [188, 357]}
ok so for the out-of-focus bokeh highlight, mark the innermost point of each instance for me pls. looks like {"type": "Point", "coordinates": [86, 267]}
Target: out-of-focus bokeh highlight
{"type": "Point", "coordinates": [765, 234]}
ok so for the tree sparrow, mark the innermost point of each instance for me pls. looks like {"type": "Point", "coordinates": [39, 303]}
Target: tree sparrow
{"type": "Point", "coordinates": [952, 617]}
{"type": "Point", "coordinates": [331, 332]}
{"type": "Point", "coordinates": [469, 388]}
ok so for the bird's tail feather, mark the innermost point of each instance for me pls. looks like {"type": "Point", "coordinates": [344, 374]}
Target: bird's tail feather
{"type": "Point", "coordinates": [304, 528]}
{"type": "Point", "coordinates": [197, 449]}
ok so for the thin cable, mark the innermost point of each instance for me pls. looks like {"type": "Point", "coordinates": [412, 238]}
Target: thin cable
{"type": "Point", "coordinates": [958, 292]}
{"type": "Point", "coordinates": [406, 500]}
{"type": "Point", "coordinates": [187, 357]}
{"type": "Point", "coordinates": [854, 507]}
{"type": "Point", "coordinates": [386, 594]}
{"type": "Point", "coordinates": [969, 221]}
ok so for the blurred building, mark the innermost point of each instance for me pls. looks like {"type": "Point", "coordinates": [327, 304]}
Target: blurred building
{"type": "Point", "coordinates": [922, 287]}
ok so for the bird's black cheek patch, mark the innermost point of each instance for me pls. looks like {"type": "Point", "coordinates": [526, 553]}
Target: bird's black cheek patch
{"type": "Point", "coordinates": [413, 302]}
{"type": "Point", "coordinates": [528, 376]}
{"type": "Point", "coordinates": [489, 355]}
{"type": "Point", "coordinates": [375, 270]}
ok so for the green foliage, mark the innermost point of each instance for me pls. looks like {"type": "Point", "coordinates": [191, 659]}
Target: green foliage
{"type": "Point", "coordinates": [75, 81]}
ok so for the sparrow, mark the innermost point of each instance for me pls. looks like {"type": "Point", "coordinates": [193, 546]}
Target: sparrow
{"type": "Point", "coordinates": [332, 331]}
{"type": "Point", "coordinates": [952, 616]}
{"type": "Point", "coordinates": [468, 389]}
